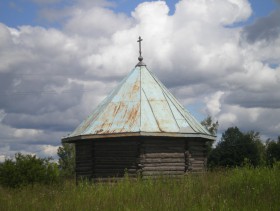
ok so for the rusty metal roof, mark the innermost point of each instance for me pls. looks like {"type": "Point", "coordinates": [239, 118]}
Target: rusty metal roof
{"type": "Point", "coordinates": [140, 105]}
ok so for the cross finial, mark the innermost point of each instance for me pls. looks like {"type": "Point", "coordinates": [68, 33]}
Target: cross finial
{"type": "Point", "coordinates": [140, 52]}
{"type": "Point", "coordinates": [140, 58]}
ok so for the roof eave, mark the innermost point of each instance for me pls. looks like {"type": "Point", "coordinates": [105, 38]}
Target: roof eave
{"type": "Point", "coordinates": [115, 135]}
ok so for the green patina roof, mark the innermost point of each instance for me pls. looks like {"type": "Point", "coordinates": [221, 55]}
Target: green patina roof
{"type": "Point", "coordinates": [140, 105]}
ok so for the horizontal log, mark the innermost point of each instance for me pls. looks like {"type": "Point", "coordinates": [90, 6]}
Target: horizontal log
{"type": "Point", "coordinates": [80, 171]}
{"type": "Point", "coordinates": [164, 168]}
{"type": "Point", "coordinates": [163, 155]}
{"type": "Point", "coordinates": [79, 158]}
{"type": "Point", "coordinates": [111, 166]}
{"type": "Point", "coordinates": [179, 176]}
{"type": "Point", "coordinates": [84, 174]}
{"type": "Point", "coordinates": [107, 179]}
{"type": "Point", "coordinates": [112, 175]}
{"type": "Point", "coordinates": [117, 154]}
{"type": "Point", "coordinates": [84, 161]}
{"type": "Point", "coordinates": [162, 143]}
{"type": "Point", "coordinates": [84, 152]}
{"type": "Point", "coordinates": [115, 143]}
{"type": "Point", "coordinates": [114, 171]}
{"type": "Point", "coordinates": [119, 147]}
{"type": "Point", "coordinates": [197, 165]}
{"type": "Point", "coordinates": [197, 170]}
{"type": "Point", "coordinates": [84, 164]}
{"type": "Point", "coordinates": [161, 164]}
{"type": "Point", "coordinates": [116, 158]}
{"type": "Point", "coordinates": [160, 150]}
{"type": "Point", "coordinates": [196, 148]}
{"type": "Point", "coordinates": [196, 141]}
{"type": "Point", "coordinates": [152, 173]}
{"type": "Point", "coordinates": [199, 158]}
{"type": "Point", "coordinates": [198, 162]}
{"type": "Point", "coordinates": [115, 164]}
{"type": "Point", "coordinates": [84, 155]}
{"type": "Point", "coordinates": [196, 145]}
{"type": "Point", "coordinates": [198, 154]}
{"type": "Point", "coordinates": [85, 147]}
{"type": "Point", "coordinates": [84, 169]}
{"type": "Point", "coordinates": [162, 160]}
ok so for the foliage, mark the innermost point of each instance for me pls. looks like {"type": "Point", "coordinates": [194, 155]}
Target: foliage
{"type": "Point", "coordinates": [273, 151]}
{"type": "Point", "coordinates": [235, 147]}
{"type": "Point", "coordinates": [66, 160]}
{"type": "Point", "coordinates": [211, 126]}
{"type": "Point", "coordinates": [27, 169]}
{"type": "Point", "coordinates": [231, 189]}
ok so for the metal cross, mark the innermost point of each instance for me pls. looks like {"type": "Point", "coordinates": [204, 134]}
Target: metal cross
{"type": "Point", "coordinates": [139, 40]}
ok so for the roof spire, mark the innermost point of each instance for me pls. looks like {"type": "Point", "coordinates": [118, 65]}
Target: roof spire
{"type": "Point", "coordinates": [140, 58]}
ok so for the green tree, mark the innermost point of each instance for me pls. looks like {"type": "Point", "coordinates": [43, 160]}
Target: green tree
{"type": "Point", "coordinates": [234, 148]}
{"type": "Point", "coordinates": [211, 126]}
{"type": "Point", "coordinates": [26, 170]}
{"type": "Point", "coordinates": [255, 137]}
{"type": "Point", "coordinates": [273, 151]}
{"type": "Point", "coordinates": [66, 160]}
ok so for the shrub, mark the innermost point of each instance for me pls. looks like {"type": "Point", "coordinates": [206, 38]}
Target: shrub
{"type": "Point", "coordinates": [28, 169]}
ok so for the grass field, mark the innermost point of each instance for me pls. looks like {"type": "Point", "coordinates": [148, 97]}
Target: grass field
{"type": "Point", "coordinates": [232, 189]}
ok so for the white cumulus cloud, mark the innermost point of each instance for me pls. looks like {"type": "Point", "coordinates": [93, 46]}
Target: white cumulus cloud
{"type": "Point", "coordinates": [52, 78]}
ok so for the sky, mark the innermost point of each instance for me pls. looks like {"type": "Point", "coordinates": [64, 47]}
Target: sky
{"type": "Point", "coordinates": [59, 59]}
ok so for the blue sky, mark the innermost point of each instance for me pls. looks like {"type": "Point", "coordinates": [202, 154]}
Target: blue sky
{"type": "Point", "coordinates": [25, 12]}
{"type": "Point", "coordinates": [60, 58]}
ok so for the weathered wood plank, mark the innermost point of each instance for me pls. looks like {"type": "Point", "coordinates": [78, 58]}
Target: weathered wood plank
{"type": "Point", "coordinates": [198, 162]}
{"type": "Point", "coordinates": [115, 158]}
{"type": "Point", "coordinates": [199, 158]}
{"type": "Point", "coordinates": [162, 164]}
{"type": "Point", "coordinates": [117, 154]}
{"type": "Point", "coordinates": [112, 166]}
{"type": "Point", "coordinates": [104, 143]}
{"type": "Point", "coordinates": [83, 165]}
{"type": "Point", "coordinates": [163, 144]}
{"type": "Point", "coordinates": [195, 148]}
{"type": "Point", "coordinates": [201, 153]}
{"type": "Point", "coordinates": [114, 171]}
{"type": "Point", "coordinates": [163, 155]}
{"type": "Point", "coordinates": [107, 175]}
{"type": "Point", "coordinates": [163, 168]}
{"type": "Point", "coordinates": [162, 150]}
{"type": "Point", "coordinates": [162, 160]}
{"type": "Point", "coordinates": [152, 173]}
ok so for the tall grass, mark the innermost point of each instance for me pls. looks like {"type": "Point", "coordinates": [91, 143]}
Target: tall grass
{"type": "Point", "coordinates": [233, 189]}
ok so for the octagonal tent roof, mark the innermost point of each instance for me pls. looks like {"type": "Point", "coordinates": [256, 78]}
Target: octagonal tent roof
{"type": "Point", "coordinates": [139, 106]}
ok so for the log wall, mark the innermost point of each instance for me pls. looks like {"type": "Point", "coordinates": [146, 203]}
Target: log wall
{"type": "Point", "coordinates": [114, 158]}
{"type": "Point", "coordinates": [162, 157]}
{"type": "Point", "coordinates": [84, 160]}
{"type": "Point", "coordinates": [196, 157]}
{"type": "Point", "coordinates": [147, 156]}
{"type": "Point", "coordinates": [106, 158]}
